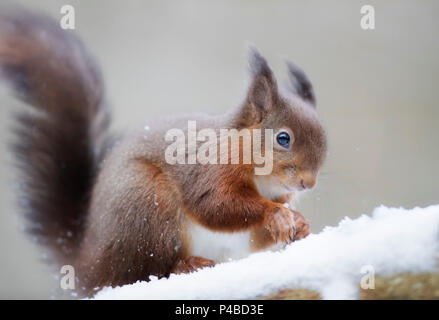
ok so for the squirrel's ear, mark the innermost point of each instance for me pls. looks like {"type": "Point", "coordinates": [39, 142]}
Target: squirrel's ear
{"type": "Point", "coordinates": [262, 92]}
{"type": "Point", "coordinates": [300, 83]}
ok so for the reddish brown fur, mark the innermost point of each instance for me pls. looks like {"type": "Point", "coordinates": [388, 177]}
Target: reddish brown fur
{"type": "Point", "coordinates": [137, 209]}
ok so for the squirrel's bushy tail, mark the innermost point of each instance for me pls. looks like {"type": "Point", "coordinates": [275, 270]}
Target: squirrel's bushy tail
{"type": "Point", "coordinates": [60, 143]}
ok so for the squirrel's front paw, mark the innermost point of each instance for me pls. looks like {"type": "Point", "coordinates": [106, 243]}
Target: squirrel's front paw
{"type": "Point", "coordinates": [287, 225]}
{"type": "Point", "coordinates": [302, 226]}
{"type": "Point", "coordinates": [281, 225]}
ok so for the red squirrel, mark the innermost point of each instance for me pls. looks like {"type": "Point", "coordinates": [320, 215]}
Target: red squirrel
{"type": "Point", "coordinates": [113, 207]}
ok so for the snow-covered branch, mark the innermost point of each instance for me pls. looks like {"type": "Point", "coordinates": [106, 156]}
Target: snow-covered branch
{"type": "Point", "coordinates": [390, 244]}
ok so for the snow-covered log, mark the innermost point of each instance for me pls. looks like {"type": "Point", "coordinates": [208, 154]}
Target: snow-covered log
{"type": "Point", "coordinates": [391, 254]}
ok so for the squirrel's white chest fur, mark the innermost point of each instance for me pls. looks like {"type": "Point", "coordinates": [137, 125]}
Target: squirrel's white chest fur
{"type": "Point", "coordinates": [222, 246]}
{"type": "Point", "coordinates": [217, 246]}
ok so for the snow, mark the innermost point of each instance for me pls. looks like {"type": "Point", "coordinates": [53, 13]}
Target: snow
{"type": "Point", "coordinates": [333, 262]}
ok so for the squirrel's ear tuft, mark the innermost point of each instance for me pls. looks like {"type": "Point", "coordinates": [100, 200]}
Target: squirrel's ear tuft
{"type": "Point", "coordinates": [258, 64]}
{"type": "Point", "coordinates": [263, 88]}
{"type": "Point", "coordinates": [300, 83]}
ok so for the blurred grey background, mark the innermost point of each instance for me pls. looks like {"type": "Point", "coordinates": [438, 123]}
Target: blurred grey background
{"type": "Point", "coordinates": [376, 89]}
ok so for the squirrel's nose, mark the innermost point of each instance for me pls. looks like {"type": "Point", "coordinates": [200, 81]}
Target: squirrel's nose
{"type": "Point", "coordinates": [308, 182]}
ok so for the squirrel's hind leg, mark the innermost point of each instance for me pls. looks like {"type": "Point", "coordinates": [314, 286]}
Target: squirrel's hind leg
{"type": "Point", "coordinates": [191, 264]}
{"type": "Point", "coordinates": [140, 227]}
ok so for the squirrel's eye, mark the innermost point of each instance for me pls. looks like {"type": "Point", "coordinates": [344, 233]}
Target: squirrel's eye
{"type": "Point", "coordinates": [283, 139]}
